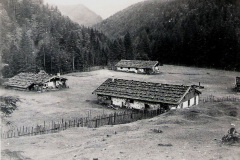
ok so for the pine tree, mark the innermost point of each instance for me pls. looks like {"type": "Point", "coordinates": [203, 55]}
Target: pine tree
{"type": "Point", "coordinates": [128, 46]}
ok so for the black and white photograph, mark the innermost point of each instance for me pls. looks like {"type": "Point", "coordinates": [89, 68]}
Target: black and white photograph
{"type": "Point", "coordinates": [120, 79]}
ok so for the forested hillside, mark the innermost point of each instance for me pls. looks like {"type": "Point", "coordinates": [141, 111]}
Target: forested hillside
{"type": "Point", "coordinates": [80, 14]}
{"type": "Point", "coordinates": [199, 33]}
{"type": "Point", "coordinates": [35, 36]}
{"type": "Point", "coordinates": [202, 33]}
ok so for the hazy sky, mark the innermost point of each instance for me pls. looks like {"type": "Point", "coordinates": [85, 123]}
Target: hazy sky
{"type": "Point", "coordinates": [104, 8]}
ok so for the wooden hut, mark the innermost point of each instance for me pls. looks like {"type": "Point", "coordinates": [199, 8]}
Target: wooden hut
{"type": "Point", "coordinates": [146, 95]}
{"type": "Point", "coordinates": [38, 82]}
{"type": "Point", "coordinates": [138, 66]}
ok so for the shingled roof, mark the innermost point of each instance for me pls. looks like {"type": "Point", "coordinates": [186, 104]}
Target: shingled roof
{"type": "Point", "coordinates": [145, 91]}
{"type": "Point", "coordinates": [136, 64]}
{"type": "Point", "coordinates": [24, 80]}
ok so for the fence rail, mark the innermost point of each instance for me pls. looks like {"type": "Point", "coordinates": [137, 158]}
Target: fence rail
{"type": "Point", "coordinates": [98, 121]}
{"type": "Point", "coordinates": [212, 98]}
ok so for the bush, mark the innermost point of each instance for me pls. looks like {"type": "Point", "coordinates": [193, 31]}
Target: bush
{"type": "Point", "coordinates": [233, 113]}
{"type": "Point", "coordinates": [8, 104]}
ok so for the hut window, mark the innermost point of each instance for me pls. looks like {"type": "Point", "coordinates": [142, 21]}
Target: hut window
{"type": "Point", "coordinates": [131, 101]}
{"type": "Point", "coordinates": [121, 67]}
{"type": "Point", "coordinates": [128, 67]}
{"type": "Point", "coordinates": [188, 102]}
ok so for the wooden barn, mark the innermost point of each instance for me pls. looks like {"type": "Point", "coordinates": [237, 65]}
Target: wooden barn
{"type": "Point", "coordinates": [238, 84]}
{"type": "Point", "coordinates": [36, 82]}
{"type": "Point", "coordinates": [138, 66]}
{"type": "Point", "coordinates": [146, 95]}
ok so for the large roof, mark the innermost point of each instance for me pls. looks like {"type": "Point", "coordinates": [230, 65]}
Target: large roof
{"type": "Point", "coordinates": [145, 91]}
{"type": "Point", "coordinates": [24, 80]}
{"type": "Point", "coordinates": [136, 64]}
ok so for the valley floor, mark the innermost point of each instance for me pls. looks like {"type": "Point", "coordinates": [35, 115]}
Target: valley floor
{"type": "Point", "coordinates": [188, 134]}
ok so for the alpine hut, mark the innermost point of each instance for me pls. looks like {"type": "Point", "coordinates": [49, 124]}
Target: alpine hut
{"type": "Point", "coordinates": [138, 66]}
{"type": "Point", "coordinates": [146, 95]}
{"type": "Point", "coordinates": [38, 82]}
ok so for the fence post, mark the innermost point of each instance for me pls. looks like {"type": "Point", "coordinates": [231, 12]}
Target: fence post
{"type": "Point", "coordinates": [96, 125]}
{"type": "Point", "coordinates": [52, 126]}
{"type": "Point", "coordinates": [82, 121]}
{"type": "Point", "coordinates": [87, 122]}
{"type": "Point", "coordinates": [109, 119]}
{"type": "Point", "coordinates": [100, 121]}
{"type": "Point", "coordinates": [115, 116]}
{"type": "Point", "coordinates": [44, 126]}
{"type": "Point", "coordinates": [78, 122]}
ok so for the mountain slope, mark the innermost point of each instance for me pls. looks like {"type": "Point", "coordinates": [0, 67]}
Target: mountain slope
{"type": "Point", "coordinates": [200, 33]}
{"type": "Point", "coordinates": [132, 18]}
{"type": "Point", "coordinates": [80, 14]}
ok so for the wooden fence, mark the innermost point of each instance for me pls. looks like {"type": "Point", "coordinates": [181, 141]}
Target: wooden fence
{"type": "Point", "coordinates": [98, 121]}
{"type": "Point", "coordinates": [212, 98]}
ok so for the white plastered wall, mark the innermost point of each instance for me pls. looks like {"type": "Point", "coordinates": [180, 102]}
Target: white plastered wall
{"type": "Point", "coordinates": [50, 85]}
{"type": "Point", "coordinates": [118, 101]}
{"type": "Point", "coordinates": [136, 104]}
{"type": "Point", "coordinates": [133, 70]}
{"type": "Point", "coordinates": [130, 70]}
{"type": "Point", "coordinates": [141, 105]}
{"type": "Point", "coordinates": [192, 103]}
{"type": "Point", "coordinates": [141, 70]}
{"type": "Point", "coordinates": [197, 100]}
{"type": "Point", "coordinates": [122, 69]}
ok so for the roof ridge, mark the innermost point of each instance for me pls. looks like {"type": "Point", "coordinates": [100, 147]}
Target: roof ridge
{"type": "Point", "coordinates": [150, 82]}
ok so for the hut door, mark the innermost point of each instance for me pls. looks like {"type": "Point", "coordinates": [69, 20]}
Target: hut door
{"type": "Point", "coordinates": [147, 106]}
